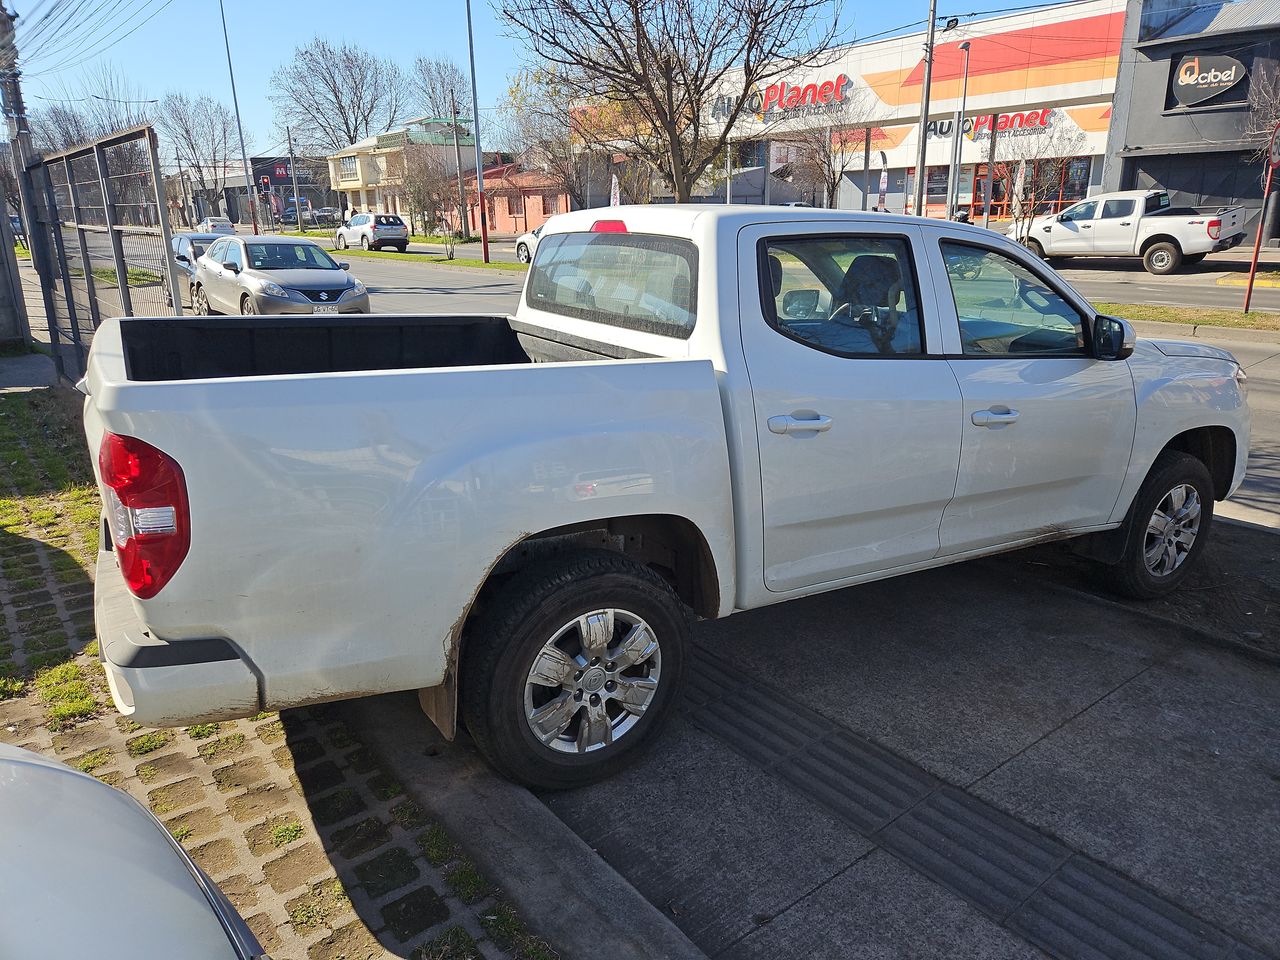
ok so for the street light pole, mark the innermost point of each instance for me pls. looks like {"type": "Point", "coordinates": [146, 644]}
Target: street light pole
{"type": "Point", "coordinates": [293, 175]}
{"type": "Point", "coordinates": [235, 102]}
{"type": "Point", "coordinates": [924, 107]}
{"type": "Point", "coordinates": [953, 186]}
{"type": "Point", "coordinates": [457, 160]}
{"type": "Point", "coordinates": [475, 135]}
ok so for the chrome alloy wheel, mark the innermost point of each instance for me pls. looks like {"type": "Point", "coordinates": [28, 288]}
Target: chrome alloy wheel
{"type": "Point", "coordinates": [1172, 529]}
{"type": "Point", "coordinates": [591, 683]}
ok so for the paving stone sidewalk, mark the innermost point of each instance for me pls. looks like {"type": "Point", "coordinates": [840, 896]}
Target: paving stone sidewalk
{"type": "Point", "coordinates": [318, 847]}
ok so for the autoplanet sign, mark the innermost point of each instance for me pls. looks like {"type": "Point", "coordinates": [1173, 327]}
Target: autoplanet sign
{"type": "Point", "coordinates": [1201, 77]}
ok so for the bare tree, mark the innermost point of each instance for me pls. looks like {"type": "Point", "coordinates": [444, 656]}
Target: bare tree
{"type": "Point", "coordinates": [657, 71]}
{"type": "Point", "coordinates": [105, 101]}
{"type": "Point", "coordinates": [822, 155]}
{"type": "Point", "coordinates": [541, 121]}
{"type": "Point", "coordinates": [201, 133]}
{"type": "Point", "coordinates": [333, 96]}
{"type": "Point", "coordinates": [440, 85]}
{"type": "Point", "coordinates": [429, 186]}
{"type": "Point", "coordinates": [1032, 164]}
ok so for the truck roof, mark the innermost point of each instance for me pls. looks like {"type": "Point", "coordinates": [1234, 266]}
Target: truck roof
{"type": "Point", "coordinates": [679, 219]}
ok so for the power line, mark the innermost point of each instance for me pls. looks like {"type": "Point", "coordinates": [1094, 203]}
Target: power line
{"type": "Point", "coordinates": [108, 43]}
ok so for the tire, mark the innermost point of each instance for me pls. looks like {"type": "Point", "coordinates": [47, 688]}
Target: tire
{"type": "Point", "coordinates": [364, 243]}
{"type": "Point", "coordinates": [340, 242]}
{"type": "Point", "coordinates": [1135, 576]}
{"type": "Point", "coordinates": [247, 308]}
{"type": "Point", "coordinates": [1034, 247]}
{"type": "Point", "coordinates": [1162, 258]}
{"type": "Point", "coordinates": [522, 252]}
{"type": "Point", "coordinates": [402, 247]}
{"type": "Point", "coordinates": [1190, 259]}
{"type": "Point", "coordinates": [543, 606]}
{"type": "Point", "coordinates": [200, 303]}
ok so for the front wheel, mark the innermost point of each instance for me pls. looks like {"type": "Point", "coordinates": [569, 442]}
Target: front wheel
{"type": "Point", "coordinates": [1162, 258]}
{"type": "Point", "coordinates": [574, 669]}
{"type": "Point", "coordinates": [200, 303]}
{"type": "Point", "coordinates": [1166, 527]}
{"type": "Point", "coordinates": [1034, 247]}
{"type": "Point", "coordinates": [522, 253]}
{"type": "Point", "coordinates": [247, 307]}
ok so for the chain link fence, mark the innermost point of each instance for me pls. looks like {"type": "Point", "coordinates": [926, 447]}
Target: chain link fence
{"type": "Point", "coordinates": [101, 240]}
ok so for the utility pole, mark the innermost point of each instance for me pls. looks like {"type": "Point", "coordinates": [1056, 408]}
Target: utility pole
{"type": "Point", "coordinates": [21, 152]}
{"type": "Point", "coordinates": [188, 208]}
{"type": "Point", "coordinates": [293, 176]}
{"type": "Point", "coordinates": [921, 171]}
{"type": "Point", "coordinates": [235, 102]}
{"type": "Point", "coordinates": [457, 160]}
{"type": "Point", "coordinates": [991, 173]}
{"type": "Point", "coordinates": [475, 135]}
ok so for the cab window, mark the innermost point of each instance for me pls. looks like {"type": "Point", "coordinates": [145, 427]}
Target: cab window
{"type": "Point", "coordinates": [1113, 209]}
{"type": "Point", "coordinates": [1081, 211]}
{"type": "Point", "coordinates": [217, 252]}
{"type": "Point", "coordinates": [851, 295]}
{"type": "Point", "coordinates": [1007, 310]}
{"type": "Point", "coordinates": [234, 254]}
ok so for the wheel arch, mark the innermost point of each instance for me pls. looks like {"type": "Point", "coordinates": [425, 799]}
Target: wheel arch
{"type": "Point", "coordinates": [1215, 447]}
{"type": "Point", "coordinates": [670, 544]}
{"type": "Point", "coordinates": [1152, 240]}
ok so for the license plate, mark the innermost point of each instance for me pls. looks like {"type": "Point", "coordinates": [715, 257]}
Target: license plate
{"type": "Point", "coordinates": [326, 308]}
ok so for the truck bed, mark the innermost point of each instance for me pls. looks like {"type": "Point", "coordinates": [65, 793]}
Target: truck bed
{"type": "Point", "coordinates": [219, 347]}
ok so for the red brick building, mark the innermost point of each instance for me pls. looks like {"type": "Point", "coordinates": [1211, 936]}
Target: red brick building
{"type": "Point", "coordinates": [518, 200]}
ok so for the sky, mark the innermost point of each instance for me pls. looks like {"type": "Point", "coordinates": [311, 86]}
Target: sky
{"type": "Point", "coordinates": [164, 45]}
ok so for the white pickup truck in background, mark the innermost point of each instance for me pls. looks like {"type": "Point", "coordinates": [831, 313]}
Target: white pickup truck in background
{"type": "Point", "coordinates": [1134, 223]}
{"type": "Point", "coordinates": [696, 410]}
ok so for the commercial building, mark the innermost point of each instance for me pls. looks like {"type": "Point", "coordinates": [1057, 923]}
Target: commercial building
{"type": "Point", "coordinates": [369, 174]}
{"type": "Point", "coordinates": [1046, 76]}
{"type": "Point", "coordinates": [1197, 96]}
{"type": "Point", "coordinates": [277, 172]}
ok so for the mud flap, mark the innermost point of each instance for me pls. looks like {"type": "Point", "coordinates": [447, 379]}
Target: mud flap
{"type": "Point", "coordinates": [440, 704]}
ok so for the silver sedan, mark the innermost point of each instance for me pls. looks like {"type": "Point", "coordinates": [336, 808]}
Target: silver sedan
{"type": "Point", "coordinates": [274, 275]}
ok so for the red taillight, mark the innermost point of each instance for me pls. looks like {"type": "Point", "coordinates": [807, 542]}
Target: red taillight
{"type": "Point", "coordinates": [1215, 229]}
{"type": "Point", "coordinates": [148, 512]}
{"type": "Point", "coordinates": [608, 226]}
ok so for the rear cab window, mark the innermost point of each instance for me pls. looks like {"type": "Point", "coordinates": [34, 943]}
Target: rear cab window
{"type": "Point", "coordinates": [635, 281]}
{"type": "Point", "coordinates": [1156, 202]}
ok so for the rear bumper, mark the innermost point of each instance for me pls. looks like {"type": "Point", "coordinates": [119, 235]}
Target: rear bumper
{"type": "Point", "coordinates": [162, 683]}
{"type": "Point", "coordinates": [1229, 242]}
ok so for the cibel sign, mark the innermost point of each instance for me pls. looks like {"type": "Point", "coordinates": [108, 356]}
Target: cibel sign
{"type": "Point", "coordinates": [1200, 77]}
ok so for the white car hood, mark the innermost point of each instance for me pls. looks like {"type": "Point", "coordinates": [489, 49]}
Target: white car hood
{"type": "Point", "coordinates": [87, 872]}
{"type": "Point", "coordinates": [1181, 348]}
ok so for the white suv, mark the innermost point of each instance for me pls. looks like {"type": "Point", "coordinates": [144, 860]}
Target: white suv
{"type": "Point", "coordinates": [372, 231]}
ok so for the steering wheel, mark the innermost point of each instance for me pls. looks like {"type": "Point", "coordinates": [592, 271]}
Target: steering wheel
{"type": "Point", "coordinates": [880, 329]}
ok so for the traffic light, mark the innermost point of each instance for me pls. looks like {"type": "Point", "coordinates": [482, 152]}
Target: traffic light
{"type": "Point", "coordinates": [265, 184]}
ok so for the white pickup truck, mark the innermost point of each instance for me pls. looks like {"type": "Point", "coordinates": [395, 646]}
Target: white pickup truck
{"type": "Point", "coordinates": [1134, 223]}
{"type": "Point", "coordinates": [694, 411]}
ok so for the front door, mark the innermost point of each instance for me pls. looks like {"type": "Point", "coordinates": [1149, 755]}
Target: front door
{"type": "Point", "coordinates": [1072, 231]}
{"type": "Point", "coordinates": [858, 429]}
{"type": "Point", "coordinates": [1047, 429]}
{"type": "Point", "coordinates": [1116, 227]}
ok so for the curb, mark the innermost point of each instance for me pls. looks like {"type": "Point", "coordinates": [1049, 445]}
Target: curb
{"type": "Point", "coordinates": [1181, 331]}
{"type": "Point", "coordinates": [561, 887]}
{"type": "Point", "coordinates": [1238, 280]}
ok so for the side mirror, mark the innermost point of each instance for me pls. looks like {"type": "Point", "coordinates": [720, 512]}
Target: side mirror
{"type": "Point", "coordinates": [181, 258]}
{"type": "Point", "coordinates": [799, 304]}
{"type": "Point", "coordinates": [1113, 338]}
{"type": "Point", "coordinates": [344, 266]}
{"type": "Point", "coordinates": [228, 265]}
{"type": "Point", "coordinates": [1062, 218]}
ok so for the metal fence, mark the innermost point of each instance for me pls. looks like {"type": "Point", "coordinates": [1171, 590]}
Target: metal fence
{"type": "Point", "coordinates": [101, 240]}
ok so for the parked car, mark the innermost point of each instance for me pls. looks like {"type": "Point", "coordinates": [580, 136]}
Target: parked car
{"type": "Point", "coordinates": [219, 225]}
{"type": "Point", "coordinates": [327, 215]}
{"type": "Point", "coordinates": [794, 401]}
{"type": "Point", "coordinates": [135, 890]}
{"type": "Point", "coordinates": [373, 231]}
{"type": "Point", "coordinates": [527, 244]}
{"type": "Point", "coordinates": [274, 275]}
{"type": "Point", "coordinates": [19, 231]}
{"type": "Point", "coordinates": [187, 249]}
{"type": "Point", "coordinates": [1134, 223]}
{"type": "Point", "coordinates": [290, 215]}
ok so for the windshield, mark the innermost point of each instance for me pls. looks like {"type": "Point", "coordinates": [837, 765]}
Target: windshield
{"type": "Point", "coordinates": [289, 256]}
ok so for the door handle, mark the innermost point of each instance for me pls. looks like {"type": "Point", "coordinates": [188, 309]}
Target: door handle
{"type": "Point", "coordinates": [1047, 229]}
{"type": "Point", "coordinates": [993, 417]}
{"type": "Point", "coordinates": [1086, 226]}
{"type": "Point", "coordinates": [1126, 223]}
{"type": "Point", "coordinates": [788, 424]}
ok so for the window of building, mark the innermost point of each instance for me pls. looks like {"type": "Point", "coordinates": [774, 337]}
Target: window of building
{"type": "Point", "coordinates": [347, 167]}
{"type": "Point", "coordinates": [515, 204]}
{"type": "Point", "coordinates": [636, 281]}
{"type": "Point", "coordinates": [550, 203]}
{"type": "Point", "coordinates": [1005, 309]}
{"type": "Point", "coordinates": [849, 295]}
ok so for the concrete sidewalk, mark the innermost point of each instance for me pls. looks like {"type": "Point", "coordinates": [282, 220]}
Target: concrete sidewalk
{"type": "Point", "coordinates": [30, 371]}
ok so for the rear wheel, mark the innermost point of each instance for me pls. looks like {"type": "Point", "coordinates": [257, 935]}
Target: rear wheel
{"type": "Point", "coordinates": [1166, 528]}
{"type": "Point", "coordinates": [574, 669]}
{"type": "Point", "coordinates": [364, 243]}
{"type": "Point", "coordinates": [402, 247]}
{"type": "Point", "coordinates": [522, 252]}
{"type": "Point", "coordinates": [1162, 258]}
{"type": "Point", "coordinates": [340, 242]}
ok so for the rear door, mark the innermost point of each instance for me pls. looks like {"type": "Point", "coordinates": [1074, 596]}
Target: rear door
{"type": "Point", "coordinates": [1047, 429]}
{"type": "Point", "coordinates": [857, 414]}
{"type": "Point", "coordinates": [1116, 227]}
